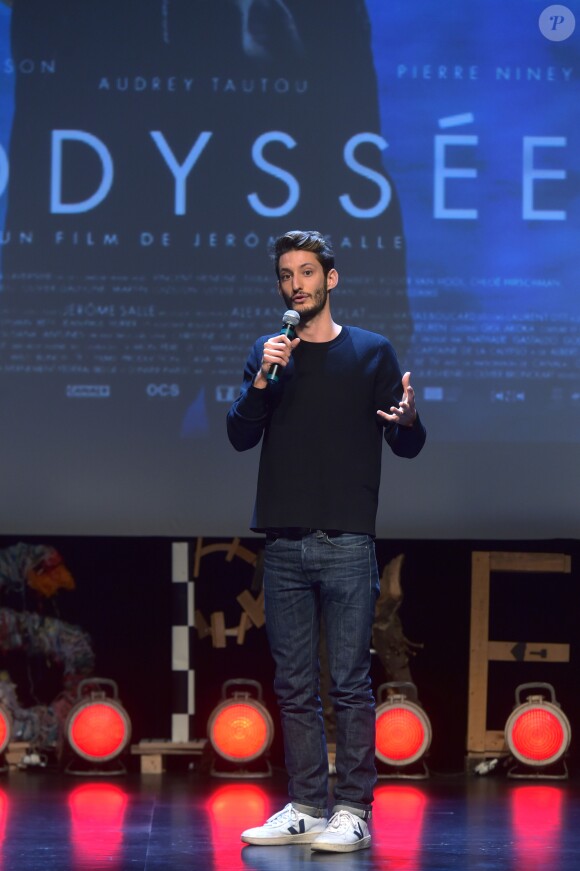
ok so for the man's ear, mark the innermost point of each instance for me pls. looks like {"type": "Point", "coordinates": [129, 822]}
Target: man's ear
{"type": "Point", "coordinates": [331, 279]}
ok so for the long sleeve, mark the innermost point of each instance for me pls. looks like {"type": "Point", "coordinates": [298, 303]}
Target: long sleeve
{"type": "Point", "coordinates": [249, 414]}
{"type": "Point", "coordinates": [404, 441]}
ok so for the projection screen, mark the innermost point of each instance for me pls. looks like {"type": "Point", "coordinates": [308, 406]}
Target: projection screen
{"type": "Point", "coordinates": [150, 152]}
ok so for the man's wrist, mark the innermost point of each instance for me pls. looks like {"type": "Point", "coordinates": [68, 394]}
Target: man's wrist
{"type": "Point", "coordinates": [260, 381]}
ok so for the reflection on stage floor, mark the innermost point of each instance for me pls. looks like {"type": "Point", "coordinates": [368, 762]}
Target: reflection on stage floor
{"type": "Point", "coordinates": [180, 820]}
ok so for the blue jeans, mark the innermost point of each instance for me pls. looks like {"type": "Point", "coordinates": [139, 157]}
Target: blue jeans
{"type": "Point", "coordinates": [333, 577]}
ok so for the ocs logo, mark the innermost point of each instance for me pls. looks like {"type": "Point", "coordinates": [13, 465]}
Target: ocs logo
{"type": "Point", "coordinates": [162, 390]}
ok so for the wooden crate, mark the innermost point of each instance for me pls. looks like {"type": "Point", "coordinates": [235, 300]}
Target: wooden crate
{"type": "Point", "coordinates": [153, 753]}
{"type": "Point", "coordinates": [14, 752]}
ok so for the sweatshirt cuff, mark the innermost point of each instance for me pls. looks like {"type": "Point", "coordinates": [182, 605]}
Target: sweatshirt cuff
{"type": "Point", "coordinates": [254, 400]}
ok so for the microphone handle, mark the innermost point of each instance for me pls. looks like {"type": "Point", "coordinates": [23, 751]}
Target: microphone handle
{"type": "Point", "coordinates": [289, 331]}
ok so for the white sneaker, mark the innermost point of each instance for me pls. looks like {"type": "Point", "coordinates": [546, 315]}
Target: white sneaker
{"type": "Point", "coordinates": [288, 826]}
{"type": "Point", "coordinates": [344, 833]}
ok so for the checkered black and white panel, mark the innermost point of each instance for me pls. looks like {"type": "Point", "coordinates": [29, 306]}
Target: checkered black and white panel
{"type": "Point", "coordinates": [183, 673]}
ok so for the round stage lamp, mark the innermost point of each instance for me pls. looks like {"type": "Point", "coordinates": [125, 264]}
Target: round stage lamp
{"type": "Point", "coordinates": [5, 728]}
{"type": "Point", "coordinates": [240, 729]}
{"type": "Point", "coordinates": [537, 732]}
{"type": "Point", "coordinates": [98, 728]}
{"type": "Point", "coordinates": [5, 735]}
{"type": "Point", "coordinates": [403, 729]}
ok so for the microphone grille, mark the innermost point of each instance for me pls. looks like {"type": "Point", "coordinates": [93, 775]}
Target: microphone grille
{"type": "Point", "coordinates": [291, 317]}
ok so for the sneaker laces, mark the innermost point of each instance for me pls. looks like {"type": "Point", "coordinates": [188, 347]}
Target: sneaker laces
{"type": "Point", "coordinates": [288, 813]}
{"type": "Point", "coordinates": [341, 821]}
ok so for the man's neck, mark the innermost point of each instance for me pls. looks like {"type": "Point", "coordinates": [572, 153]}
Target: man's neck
{"type": "Point", "coordinates": [319, 329]}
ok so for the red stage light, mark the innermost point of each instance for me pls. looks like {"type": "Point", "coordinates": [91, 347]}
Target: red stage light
{"type": "Point", "coordinates": [98, 728]}
{"type": "Point", "coordinates": [98, 731]}
{"type": "Point", "coordinates": [5, 728]}
{"type": "Point", "coordinates": [240, 729]}
{"type": "Point", "coordinates": [537, 732]}
{"type": "Point", "coordinates": [537, 735]}
{"type": "Point", "coordinates": [402, 734]}
{"type": "Point", "coordinates": [403, 730]}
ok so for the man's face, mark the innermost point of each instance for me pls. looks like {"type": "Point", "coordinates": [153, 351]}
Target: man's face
{"type": "Point", "coordinates": [302, 283]}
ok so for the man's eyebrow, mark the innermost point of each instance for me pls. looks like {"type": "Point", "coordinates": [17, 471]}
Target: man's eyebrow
{"type": "Point", "coordinates": [302, 265]}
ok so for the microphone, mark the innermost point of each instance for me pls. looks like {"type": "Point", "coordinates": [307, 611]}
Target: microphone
{"type": "Point", "coordinates": [289, 323]}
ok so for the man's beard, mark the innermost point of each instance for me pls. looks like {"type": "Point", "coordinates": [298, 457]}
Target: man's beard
{"type": "Point", "coordinates": [313, 307]}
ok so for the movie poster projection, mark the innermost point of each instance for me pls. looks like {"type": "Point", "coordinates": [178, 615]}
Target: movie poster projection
{"type": "Point", "coordinates": [482, 135]}
{"type": "Point", "coordinates": [149, 154]}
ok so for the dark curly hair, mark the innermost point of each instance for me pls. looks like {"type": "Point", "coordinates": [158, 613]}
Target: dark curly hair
{"type": "Point", "coordinates": [304, 240]}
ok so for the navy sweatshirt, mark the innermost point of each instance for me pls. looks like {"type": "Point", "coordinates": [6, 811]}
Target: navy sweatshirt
{"type": "Point", "coordinates": [320, 463]}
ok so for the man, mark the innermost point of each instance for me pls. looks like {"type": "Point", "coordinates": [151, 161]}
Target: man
{"type": "Point", "coordinates": [321, 426]}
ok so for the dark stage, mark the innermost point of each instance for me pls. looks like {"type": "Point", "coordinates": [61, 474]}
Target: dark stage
{"type": "Point", "coordinates": [181, 820]}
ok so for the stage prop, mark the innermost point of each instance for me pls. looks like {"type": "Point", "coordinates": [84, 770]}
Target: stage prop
{"type": "Point", "coordinates": [390, 644]}
{"type": "Point", "coordinates": [190, 622]}
{"type": "Point", "coordinates": [153, 754]}
{"type": "Point", "coordinates": [30, 577]}
{"type": "Point", "coordinates": [484, 743]}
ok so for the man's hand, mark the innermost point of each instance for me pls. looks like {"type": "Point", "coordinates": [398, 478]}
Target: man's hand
{"type": "Point", "coordinates": [278, 350]}
{"type": "Point", "coordinates": [406, 413]}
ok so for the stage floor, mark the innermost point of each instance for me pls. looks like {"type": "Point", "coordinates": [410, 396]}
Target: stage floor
{"type": "Point", "coordinates": [180, 820]}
